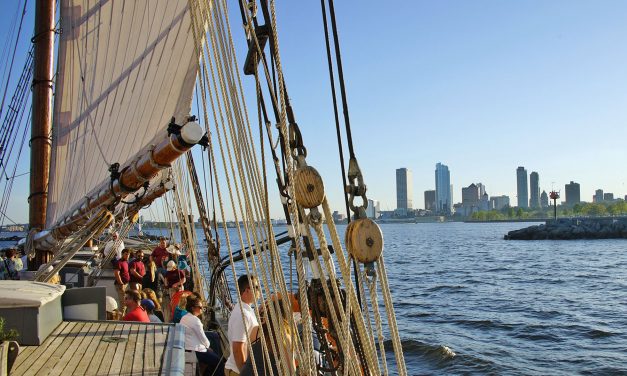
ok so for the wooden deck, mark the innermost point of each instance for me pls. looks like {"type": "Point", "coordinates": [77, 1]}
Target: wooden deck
{"type": "Point", "coordinates": [97, 348]}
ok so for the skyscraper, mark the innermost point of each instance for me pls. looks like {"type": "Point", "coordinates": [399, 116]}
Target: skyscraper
{"type": "Point", "coordinates": [521, 187]}
{"type": "Point", "coordinates": [443, 199]}
{"type": "Point", "coordinates": [544, 200]}
{"type": "Point", "coordinates": [534, 190]}
{"type": "Point", "coordinates": [598, 196]}
{"type": "Point", "coordinates": [572, 193]}
{"type": "Point", "coordinates": [430, 200]}
{"type": "Point", "coordinates": [404, 190]}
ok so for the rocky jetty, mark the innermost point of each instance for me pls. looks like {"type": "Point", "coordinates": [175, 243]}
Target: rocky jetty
{"type": "Point", "coordinates": [573, 228]}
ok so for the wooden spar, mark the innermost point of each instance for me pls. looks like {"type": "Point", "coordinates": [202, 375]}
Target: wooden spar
{"type": "Point", "coordinates": [40, 140]}
{"type": "Point", "coordinates": [147, 199]}
{"type": "Point", "coordinates": [132, 177]}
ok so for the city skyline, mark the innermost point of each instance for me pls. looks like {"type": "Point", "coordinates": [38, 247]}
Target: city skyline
{"type": "Point", "coordinates": [465, 83]}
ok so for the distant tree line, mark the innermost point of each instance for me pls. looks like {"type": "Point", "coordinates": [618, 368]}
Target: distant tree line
{"type": "Point", "coordinates": [584, 209]}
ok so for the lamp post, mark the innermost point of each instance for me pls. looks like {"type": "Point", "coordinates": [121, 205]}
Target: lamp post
{"type": "Point", "coordinates": [554, 196]}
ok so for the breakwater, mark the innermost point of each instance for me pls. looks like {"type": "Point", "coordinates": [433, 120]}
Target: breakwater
{"type": "Point", "coordinates": [573, 228]}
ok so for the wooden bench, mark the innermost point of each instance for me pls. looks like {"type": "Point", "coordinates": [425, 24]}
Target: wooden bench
{"type": "Point", "coordinates": [8, 353]}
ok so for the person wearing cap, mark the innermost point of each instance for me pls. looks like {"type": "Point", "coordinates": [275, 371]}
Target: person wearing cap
{"type": "Point", "coordinates": [149, 306]}
{"type": "Point", "coordinates": [114, 245]}
{"type": "Point", "coordinates": [174, 278]}
{"type": "Point", "coordinates": [112, 308]}
{"type": "Point", "coordinates": [136, 312]}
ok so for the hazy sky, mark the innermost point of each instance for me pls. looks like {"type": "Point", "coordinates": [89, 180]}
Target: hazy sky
{"type": "Point", "coordinates": [481, 86]}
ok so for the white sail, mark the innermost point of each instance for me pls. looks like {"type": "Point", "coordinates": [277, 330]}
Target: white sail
{"type": "Point", "coordinates": [125, 68]}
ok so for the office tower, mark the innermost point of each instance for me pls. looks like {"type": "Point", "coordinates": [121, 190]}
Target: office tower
{"type": "Point", "coordinates": [443, 196]}
{"type": "Point", "coordinates": [499, 202]}
{"type": "Point", "coordinates": [598, 196]}
{"type": "Point", "coordinates": [607, 196]}
{"type": "Point", "coordinates": [372, 211]}
{"type": "Point", "coordinates": [544, 200]}
{"type": "Point", "coordinates": [430, 200]}
{"type": "Point", "coordinates": [470, 199]}
{"type": "Point", "coordinates": [481, 188]}
{"type": "Point", "coordinates": [572, 193]}
{"type": "Point", "coordinates": [404, 190]}
{"type": "Point", "coordinates": [521, 187]}
{"type": "Point", "coordinates": [534, 190]}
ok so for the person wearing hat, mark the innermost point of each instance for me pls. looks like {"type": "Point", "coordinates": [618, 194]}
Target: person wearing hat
{"type": "Point", "coordinates": [174, 278]}
{"type": "Point", "coordinates": [112, 308]}
{"type": "Point", "coordinates": [149, 306]}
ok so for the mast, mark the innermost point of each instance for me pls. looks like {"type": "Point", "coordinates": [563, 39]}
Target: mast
{"type": "Point", "coordinates": [41, 120]}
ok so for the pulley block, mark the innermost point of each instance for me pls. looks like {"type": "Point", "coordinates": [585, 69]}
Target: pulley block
{"type": "Point", "coordinates": [309, 187]}
{"type": "Point", "coordinates": [364, 240]}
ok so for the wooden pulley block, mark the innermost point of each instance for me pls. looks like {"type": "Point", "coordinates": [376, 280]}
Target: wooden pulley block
{"type": "Point", "coordinates": [309, 188]}
{"type": "Point", "coordinates": [364, 240]}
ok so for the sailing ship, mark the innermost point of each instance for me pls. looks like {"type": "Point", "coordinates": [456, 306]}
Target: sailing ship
{"type": "Point", "coordinates": [137, 86]}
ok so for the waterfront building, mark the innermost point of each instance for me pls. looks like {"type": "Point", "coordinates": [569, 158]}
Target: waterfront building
{"type": "Point", "coordinates": [338, 217]}
{"type": "Point", "coordinates": [608, 196]}
{"type": "Point", "coordinates": [534, 190]}
{"type": "Point", "coordinates": [572, 194]}
{"type": "Point", "coordinates": [544, 200]}
{"type": "Point", "coordinates": [598, 196]}
{"type": "Point", "coordinates": [373, 209]}
{"type": "Point", "coordinates": [430, 200]}
{"type": "Point", "coordinates": [470, 200]}
{"type": "Point", "coordinates": [404, 189]}
{"type": "Point", "coordinates": [484, 203]}
{"type": "Point", "coordinates": [499, 202]}
{"type": "Point", "coordinates": [521, 187]}
{"type": "Point", "coordinates": [443, 190]}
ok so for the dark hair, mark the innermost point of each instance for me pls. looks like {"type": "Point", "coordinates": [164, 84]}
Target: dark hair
{"type": "Point", "coordinates": [10, 253]}
{"type": "Point", "coordinates": [162, 238]}
{"type": "Point", "coordinates": [126, 250]}
{"type": "Point", "coordinates": [191, 303]}
{"type": "Point", "coordinates": [242, 282]}
{"type": "Point", "coordinates": [135, 295]}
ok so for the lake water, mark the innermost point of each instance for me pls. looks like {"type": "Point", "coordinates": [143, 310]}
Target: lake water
{"type": "Point", "coordinates": [469, 302]}
{"type": "Point", "coordinates": [507, 307]}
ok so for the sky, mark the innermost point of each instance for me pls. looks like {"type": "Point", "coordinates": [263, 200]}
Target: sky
{"type": "Point", "coordinates": [481, 86]}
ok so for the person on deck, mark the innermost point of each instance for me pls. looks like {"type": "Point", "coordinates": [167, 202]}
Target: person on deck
{"type": "Point", "coordinates": [114, 245]}
{"type": "Point", "coordinates": [242, 327]}
{"type": "Point", "coordinates": [150, 294]}
{"type": "Point", "coordinates": [136, 312]}
{"type": "Point", "coordinates": [10, 266]}
{"type": "Point", "coordinates": [137, 269]}
{"type": "Point", "coordinates": [149, 306]}
{"type": "Point", "coordinates": [174, 278]}
{"type": "Point", "coordinates": [150, 279]}
{"type": "Point", "coordinates": [122, 277]}
{"type": "Point", "coordinates": [160, 254]}
{"type": "Point", "coordinates": [196, 340]}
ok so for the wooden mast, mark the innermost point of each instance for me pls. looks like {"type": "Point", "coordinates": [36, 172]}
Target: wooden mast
{"type": "Point", "coordinates": [41, 143]}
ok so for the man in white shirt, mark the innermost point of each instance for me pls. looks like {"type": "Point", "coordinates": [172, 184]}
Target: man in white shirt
{"type": "Point", "coordinates": [240, 326]}
{"type": "Point", "coordinates": [114, 245]}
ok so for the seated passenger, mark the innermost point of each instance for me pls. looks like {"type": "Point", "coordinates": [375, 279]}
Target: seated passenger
{"type": "Point", "coordinates": [149, 306]}
{"type": "Point", "coordinates": [179, 310]}
{"type": "Point", "coordinates": [135, 311]}
{"type": "Point", "coordinates": [150, 294]}
{"type": "Point", "coordinates": [197, 341]}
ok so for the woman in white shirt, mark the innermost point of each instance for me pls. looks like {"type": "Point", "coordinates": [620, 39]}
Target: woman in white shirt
{"type": "Point", "coordinates": [196, 340]}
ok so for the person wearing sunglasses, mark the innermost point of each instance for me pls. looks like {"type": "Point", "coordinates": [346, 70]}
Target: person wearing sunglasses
{"type": "Point", "coordinates": [197, 341]}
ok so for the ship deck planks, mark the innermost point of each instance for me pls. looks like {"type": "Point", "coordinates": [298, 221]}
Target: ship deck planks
{"type": "Point", "coordinates": [77, 348]}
